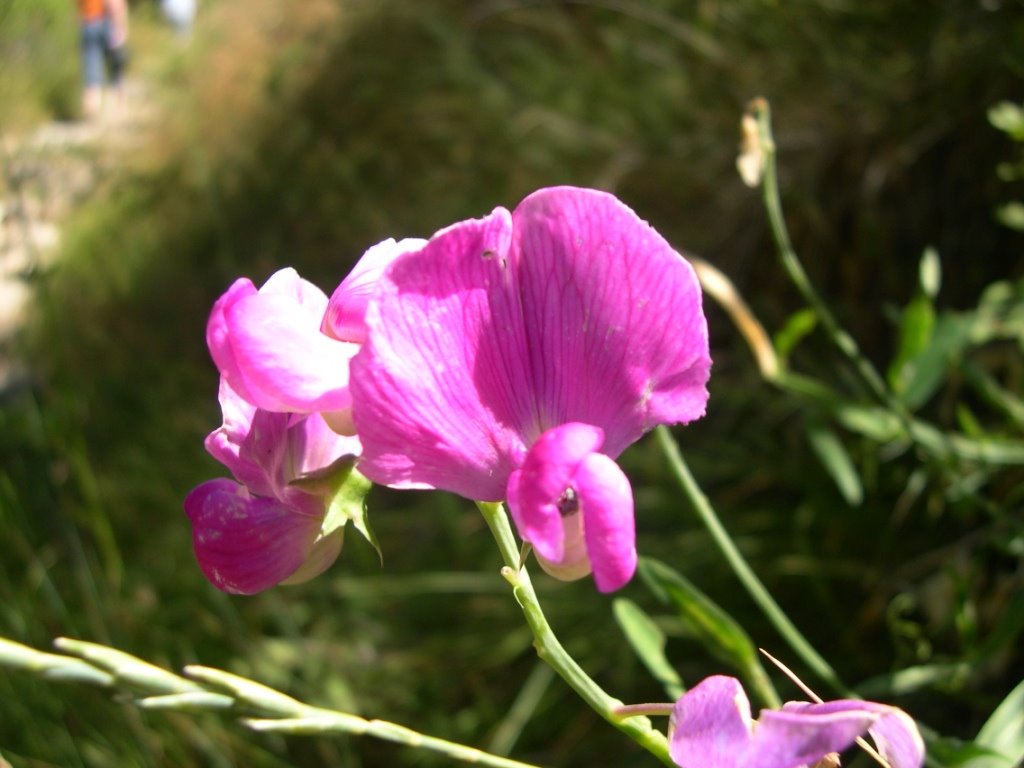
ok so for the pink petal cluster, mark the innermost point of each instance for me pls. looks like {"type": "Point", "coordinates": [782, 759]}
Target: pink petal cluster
{"type": "Point", "coordinates": [509, 357]}
{"type": "Point", "coordinates": [283, 353]}
{"type": "Point", "coordinates": [517, 355]}
{"type": "Point", "coordinates": [711, 727]}
{"type": "Point", "coordinates": [257, 530]}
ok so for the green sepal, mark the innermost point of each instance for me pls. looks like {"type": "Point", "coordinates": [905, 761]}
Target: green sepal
{"type": "Point", "coordinates": [344, 489]}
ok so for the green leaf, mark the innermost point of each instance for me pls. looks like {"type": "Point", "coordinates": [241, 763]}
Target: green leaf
{"type": "Point", "coordinates": [713, 627]}
{"type": "Point", "coordinates": [834, 458]}
{"type": "Point", "coordinates": [988, 450]}
{"type": "Point", "coordinates": [953, 753]}
{"type": "Point", "coordinates": [648, 642]}
{"type": "Point", "coordinates": [924, 371]}
{"type": "Point", "coordinates": [1003, 732]}
{"type": "Point", "coordinates": [993, 393]}
{"type": "Point", "coordinates": [1009, 118]}
{"type": "Point", "coordinates": [917, 325]}
{"type": "Point", "coordinates": [872, 422]}
{"type": "Point", "coordinates": [797, 327]}
{"type": "Point", "coordinates": [1011, 215]}
{"type": "Point", "coordinates": [913, 679]}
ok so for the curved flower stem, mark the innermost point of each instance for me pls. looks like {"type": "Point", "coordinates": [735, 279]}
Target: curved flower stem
{"type": "Point", "coordinates": [209, 689]}
{"type": "Point", "coordinates": [550, 650]}
{"type": "Point", "coordinates": [755, 588]}
{"type": "Point", "coordinates": [791, 263]}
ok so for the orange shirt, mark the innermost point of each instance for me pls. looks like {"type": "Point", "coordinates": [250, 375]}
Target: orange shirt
{"type": "Point", "coordinates": [90, 10]}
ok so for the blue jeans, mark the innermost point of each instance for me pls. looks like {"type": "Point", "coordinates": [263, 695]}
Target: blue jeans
{"type": "Point", "coordinates": [95, 40]}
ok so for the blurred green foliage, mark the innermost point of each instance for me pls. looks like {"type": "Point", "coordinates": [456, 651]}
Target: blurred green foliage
{"type": "Point", "coordinates": [38, 61]}
{"type": "Point", "coordinates": [301, 133]}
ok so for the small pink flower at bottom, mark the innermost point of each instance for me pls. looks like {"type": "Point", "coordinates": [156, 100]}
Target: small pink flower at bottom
{"type": "Point", "coordinates": [711, 727]}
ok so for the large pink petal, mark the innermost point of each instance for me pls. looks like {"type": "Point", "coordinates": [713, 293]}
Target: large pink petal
{"type": "Point", "coordinates": [616, 335]}
{"type": "Point", "coordinates": [606, 501]}
{"type": "Point", "coordinates": [440, 389]}
{"type": "Point", "coordinates": [244, 543]}
{"type": "Point", "coordinates": [346, 312]}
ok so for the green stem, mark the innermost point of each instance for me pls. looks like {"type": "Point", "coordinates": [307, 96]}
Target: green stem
{"type": "Point", "coordinates": [755, 588]}
{"type": "Point", "coordinates": [791, 263]}
{"type": "Point", "coordinates": [319, 721]}
{"type": "Point", "coordinates": [550, 650]}
{"type": "Point", "coordinates": [269, 710]}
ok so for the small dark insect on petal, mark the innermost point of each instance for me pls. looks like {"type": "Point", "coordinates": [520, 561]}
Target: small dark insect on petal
{"type": "Point", "coordinates": [488, 254]}
{"type": "Point", "coordinates": [568, 503]}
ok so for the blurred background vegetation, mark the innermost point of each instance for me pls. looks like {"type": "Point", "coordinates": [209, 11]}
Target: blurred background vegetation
{"type": "Point", "coordinates": [301, 133]}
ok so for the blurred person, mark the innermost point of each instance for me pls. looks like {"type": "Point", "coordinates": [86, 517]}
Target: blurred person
{"type": "Point", "coordinates": [104, 40]}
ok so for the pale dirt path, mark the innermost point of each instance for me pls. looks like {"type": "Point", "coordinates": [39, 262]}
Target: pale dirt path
{"type": "Point", "coordinates": [44, 176]}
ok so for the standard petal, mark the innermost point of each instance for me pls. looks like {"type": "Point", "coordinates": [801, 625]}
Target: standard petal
{"type": "Point", "coordinates": [710, 725]}
{"type": "Point", "coordinates": [346, 311]}
{"type": "Point", "coordinates": [606, 501]}
{"type": "Point", "coordinates": [244, 543]}
{"type": "Point", "coordinates": [616, 334]}
{"type": "Point", "coordinates": [440, 386]}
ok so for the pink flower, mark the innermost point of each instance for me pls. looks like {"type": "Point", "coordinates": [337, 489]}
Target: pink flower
{"type": "Point", "coordinates": [268, 346]}
{"type": "Point", "coordinates": [264, 529]}
{"type": "Point", "coordinates": [283, 353]}
{"type": "Point", "coordinates": [517, 355]}
{"type": "Point", "coordinates": [711, 727]}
